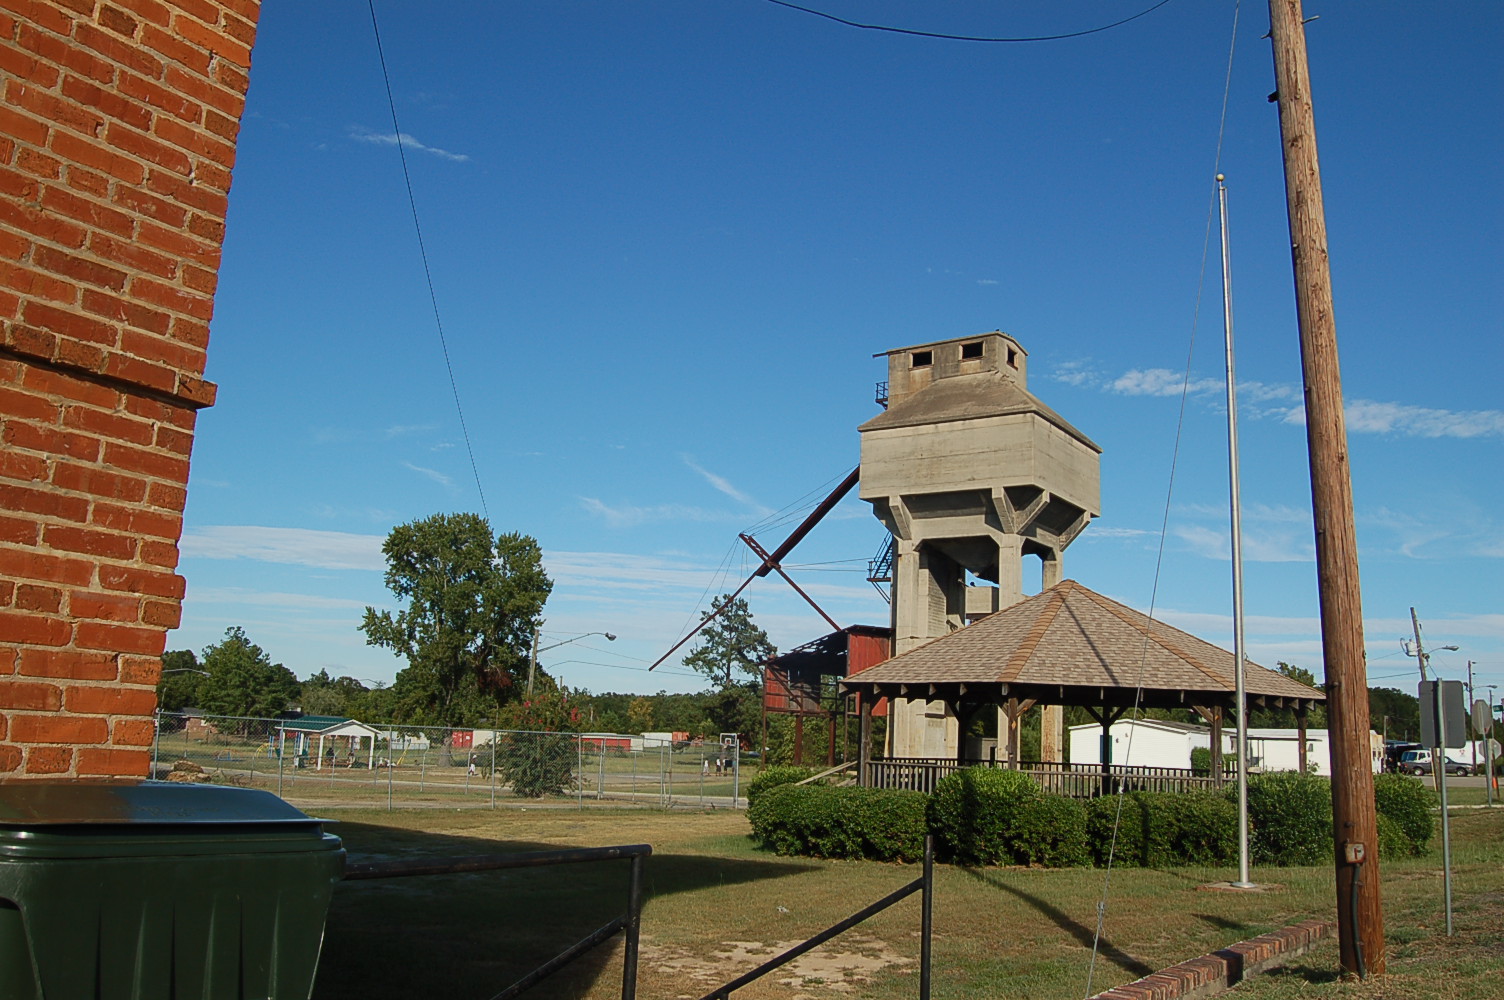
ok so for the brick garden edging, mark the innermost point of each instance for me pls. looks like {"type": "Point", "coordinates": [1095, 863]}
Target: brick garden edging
{"type": "Point", "coordinates": [1211, 974]}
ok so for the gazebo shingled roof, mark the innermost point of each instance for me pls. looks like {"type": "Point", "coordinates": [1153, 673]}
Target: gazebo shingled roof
{"type": "Point", "coordinates": [1071, 646]}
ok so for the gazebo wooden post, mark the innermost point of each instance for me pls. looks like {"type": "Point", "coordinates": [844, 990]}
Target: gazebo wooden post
{"type": "Point", "coordinates": [1105, 718]}
{"type": "Point", "coordinates": [864, 738]}
{"type": "Point", "coordinates": [1216, 747]}
{"type": "Point", "coordinates": [1300, 733]}
{"type": "Point", "coordinates": [1213, 715]}
{"type": "Point", "coordinates": [1014, 709]}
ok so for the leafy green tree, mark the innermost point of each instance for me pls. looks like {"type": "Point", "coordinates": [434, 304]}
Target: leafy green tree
{"type": "Point", "coordinates": [242, 680]}
{"type": "Point", "coordinates": [1402, 710]}
{"type": "Point", "coordinates": [325, 695]}
{"type": "Point", "coordinates": [640, 715]}
{"type": "Point", "coordinates": [472, 603]}
{"type": "Point", "coordinates": [731, 645]}
{"type": "Point", "coordinates": [181, 679]}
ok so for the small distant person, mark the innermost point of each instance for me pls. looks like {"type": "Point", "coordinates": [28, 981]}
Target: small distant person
{"type": "Point", "coordinates": [472, 763]}
{"type": "Point", "coordinates": [705, 767]}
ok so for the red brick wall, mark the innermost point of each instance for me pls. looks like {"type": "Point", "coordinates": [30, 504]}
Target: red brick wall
{"type": "Point", "coordinates": [117, 136]}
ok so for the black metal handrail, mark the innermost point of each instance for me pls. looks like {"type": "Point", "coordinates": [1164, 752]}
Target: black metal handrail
{"type": "Point", "coordinates": [630, 922]}
{"type": "Point", "coordinates": [924, 884]}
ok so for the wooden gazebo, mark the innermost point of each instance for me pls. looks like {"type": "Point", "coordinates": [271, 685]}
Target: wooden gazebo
{"type": "Point", "coordinates": [1069, 645]}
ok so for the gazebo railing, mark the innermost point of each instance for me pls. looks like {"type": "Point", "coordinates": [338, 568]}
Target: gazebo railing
{"type": "Point", "coordinates": [1082, 781]}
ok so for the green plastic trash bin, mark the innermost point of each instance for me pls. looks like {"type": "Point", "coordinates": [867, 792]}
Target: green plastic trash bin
{"type": "Point", "coordinates": [147, 889]}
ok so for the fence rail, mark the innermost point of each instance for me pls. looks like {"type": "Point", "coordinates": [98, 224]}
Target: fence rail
{"type": "Point", "coordinates": [1081, 781]}
{"type": "Point", "coordinates": [924, 884]}
{"type": "Point", "coordinates": [324, 763]}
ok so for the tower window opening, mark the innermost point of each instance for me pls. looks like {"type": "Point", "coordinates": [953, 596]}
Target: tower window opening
{"type": "Point", "coordinates": [971, 350]}
{"type": "Point", "coordinates": [921, 359]}
{"type": "Point", "coordinates": [1012, 358]}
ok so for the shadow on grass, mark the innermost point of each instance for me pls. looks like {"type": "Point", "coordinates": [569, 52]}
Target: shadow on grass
{"type": "Point", "coordinates": [1222, 923]}
{"type": "Point", "coordinates": [471, 935]}
{"type": "Point", "coordinates": [1061, 919]}
{"type": "Point", "coordinates": [1312, 974]}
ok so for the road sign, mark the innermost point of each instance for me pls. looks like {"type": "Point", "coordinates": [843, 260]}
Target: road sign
{"type": "Point", "coordinates": [1483, 719]}
{"type": "Point", "coordinates": [1454, 714]}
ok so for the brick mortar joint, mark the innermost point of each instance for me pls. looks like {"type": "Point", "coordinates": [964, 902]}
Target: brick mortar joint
{"type": "Point", "coordinates": [181, 400]}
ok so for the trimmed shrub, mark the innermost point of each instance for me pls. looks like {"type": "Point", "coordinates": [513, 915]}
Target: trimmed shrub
{"type": "Point", "coordinates": [1289, 818]}
{"type": "Point", "coordinates": [975, 815]}
{"type": "Point", "coordinates": [1407, 803]}
{"type": "Point", "coordinates": [824, 822]}
{"type": "Point", "coordinates": [1145, 832]}
{"type": "Point", "coordinates": [1392, 840]}
{"type": "Point", "coordinates": [1051, 831]}
{"type": "Point", "coordinates": [772, 777]}
{"type": "Point", "coordinates": [1206, 830]}
{"type": "Point", "coordinates": [1164, 829]}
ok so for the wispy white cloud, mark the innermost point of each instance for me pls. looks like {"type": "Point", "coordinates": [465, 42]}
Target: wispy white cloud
{"type": "Point", "coordinates": [433, 474]}
{"type": "Point", "coordinates": [628, 515]}
{"type": "Point", "coordinates": [1078, 373]}
{"type": "Point", "coordinates": [1271, 546]}
{"type": "Point", "coordinates": [724, 485]}
{"type": "Point", "coordinates": [1161, 382]}
{"type": "Point", "coordinates": [1262, 400]}
{"type": "Point", "coordinates": [361, 134]}
{"type": "Point", "coordinates": [1108, 531]}
{"type": "Point", "coordinates": [1272, 513]}
{"type": "Point", "coordinates": [295, 546]}
{"type": "Point", "coordinates": [241, 596]}
{"type": "Point", "coordinates": [1367, 416]}
{"type": "Point", "coordinates": [1435, 533]}
{"type": "Point", "coordinates": [404, 430]}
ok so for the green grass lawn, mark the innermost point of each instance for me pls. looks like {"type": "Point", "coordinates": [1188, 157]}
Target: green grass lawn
{"type": "Point", "coordinates": [716, 906]}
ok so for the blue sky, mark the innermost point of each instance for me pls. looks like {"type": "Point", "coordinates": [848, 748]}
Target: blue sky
{"type": "Point", "coordinates": [667, 237]}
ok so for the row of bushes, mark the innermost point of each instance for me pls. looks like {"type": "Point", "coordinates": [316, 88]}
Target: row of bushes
{"type": "Point", "coordinates": [987, 816]}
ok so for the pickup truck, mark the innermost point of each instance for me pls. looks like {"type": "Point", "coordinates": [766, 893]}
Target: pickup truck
{"type": "Point", "coordinates": [1419, 762]}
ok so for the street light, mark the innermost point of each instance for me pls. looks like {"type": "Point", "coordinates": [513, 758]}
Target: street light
{"type": "Point", "coordinates": [532, 667]}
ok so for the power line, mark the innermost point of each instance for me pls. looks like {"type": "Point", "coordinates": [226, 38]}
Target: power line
{"type": "Point", "coordinates": [423, 253]}
{"type": "Point", "coordinates": [965, 38]}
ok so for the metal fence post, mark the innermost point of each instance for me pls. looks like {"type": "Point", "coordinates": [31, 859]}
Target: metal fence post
{"type": "Point", "coordinates": [736, 774]}
{"type": "Point", "coordinates": [156, 740]}
{"type": "Point", "coordinates": [495, 735]}
{"type": "Point", "coordinates": [579, 774]}
{"type": "Point", "coordinates": [634, 925]}
{"type": "Point", "coordinates": [926, 916]}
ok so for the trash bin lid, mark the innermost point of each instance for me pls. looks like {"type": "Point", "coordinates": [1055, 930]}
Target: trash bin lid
{"type": "Point", "coordinates": [108, 817]}
{"type": "Point", "coordinates": [47, 803]}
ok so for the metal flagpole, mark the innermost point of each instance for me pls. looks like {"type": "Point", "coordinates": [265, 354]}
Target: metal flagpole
{"type": "Point", "coordinates": [1237, 550]}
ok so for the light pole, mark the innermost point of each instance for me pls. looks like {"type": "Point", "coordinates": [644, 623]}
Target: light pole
{"type": "Point", "coordinates": [532, 666]}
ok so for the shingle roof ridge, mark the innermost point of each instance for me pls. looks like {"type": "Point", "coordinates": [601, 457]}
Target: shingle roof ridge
{"type": "Point", "coordinates": [1129, 617]}
{"type": "Point", "coordinates": [1035, 635]}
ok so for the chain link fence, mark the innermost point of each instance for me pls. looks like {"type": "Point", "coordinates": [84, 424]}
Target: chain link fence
{"type": "Point", "coordinates": [328, 762]}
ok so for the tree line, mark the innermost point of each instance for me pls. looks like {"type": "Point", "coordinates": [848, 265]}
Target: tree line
{"type": "Point", "coordinates": [470, 601]}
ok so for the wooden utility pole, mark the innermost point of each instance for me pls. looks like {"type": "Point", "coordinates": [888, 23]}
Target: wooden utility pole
{"type": "Point", "coordinates": [1360, 926]}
